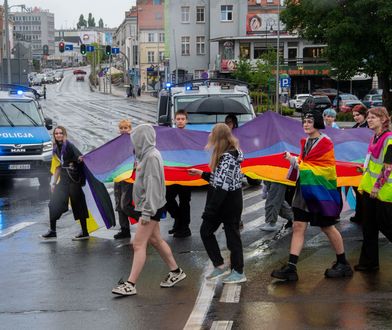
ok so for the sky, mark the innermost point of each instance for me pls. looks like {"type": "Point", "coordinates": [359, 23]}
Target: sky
{"type": "Point", "coordinates": [67, 12]}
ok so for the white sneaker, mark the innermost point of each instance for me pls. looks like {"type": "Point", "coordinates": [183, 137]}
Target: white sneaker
{"type": "Point", "coordinates": [269, 227]}
{"type": "Point", "coordinates": [173, 278]}
{"type": "Point", "coordinates": [124, 289]}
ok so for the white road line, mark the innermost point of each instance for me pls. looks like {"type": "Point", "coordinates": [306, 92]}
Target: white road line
{"type": "Point", "coordinates": [13, 229]}
{"type": "Point", "coordinates": [231, 293]}
{"type": "Point", "coordinates": [202, 305]}
{"type": "Point", "coordinates": [222, 325]}
{"type": "Point", "coordinates": [104, 233]}
{"type": "Point", "coordinates": [252, 194]}
{"type": "Point", "coordinates": [255, 207]}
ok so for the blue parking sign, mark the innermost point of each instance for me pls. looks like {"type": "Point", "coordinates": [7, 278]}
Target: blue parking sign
{"type": "Point", "coordinates": [90, 48]}
{"type": "Point", "coordinates": [285, 82]}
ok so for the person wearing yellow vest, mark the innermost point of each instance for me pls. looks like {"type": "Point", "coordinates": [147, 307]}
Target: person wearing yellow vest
{"type": "Point", "coordinates": [376, 187]}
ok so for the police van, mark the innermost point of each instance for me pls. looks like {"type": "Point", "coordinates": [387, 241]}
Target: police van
{"type": "Point", "coordinates": [191, 95]}
{"type": "Point", "coordinates": [25, 144]}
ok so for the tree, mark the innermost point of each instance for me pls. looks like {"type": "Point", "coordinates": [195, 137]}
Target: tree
{"type": "Point", "coordinates": [100, 23]}
{"type": "Point", "coordinates": [82, 22]}
{"type": "Point", "coordinates": [358, 35]}
{"type": "Point", "coordinates": [90, 20]}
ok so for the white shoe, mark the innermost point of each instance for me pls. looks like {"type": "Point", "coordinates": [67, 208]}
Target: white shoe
{"type": "Point", "coordinates": [269, 227]}
{"type": "Point", "coordinates": [173, 278]}
{"type": "Point", "coordinates": [124, 289]}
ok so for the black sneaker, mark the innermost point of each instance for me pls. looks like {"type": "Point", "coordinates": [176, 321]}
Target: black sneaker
{"type": "Point", "coordinates": [287, 273]}
{"type": "Point", "coordinates": [289, 224]}
{"type": "Point", "coordinates": [366, 268]}
{"type": "Point", "coordinates": [182, 233]}
{"type": "Point", "coordinates": [339, 270]}
{"type": "Point", "coordinates": [122, 234]}
{"type": "Point", "coordinates": [49, 234]}
{"type": "Point", "coordinates": [81, 237]}
{"type": "Point", "coordinates": [171, 231]}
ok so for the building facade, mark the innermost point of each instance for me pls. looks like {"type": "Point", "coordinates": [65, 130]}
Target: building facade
{"type": "Point", "coordinates": [37, 27]}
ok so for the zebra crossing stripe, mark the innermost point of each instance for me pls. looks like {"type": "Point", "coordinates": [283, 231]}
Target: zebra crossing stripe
{"type": "Point", "coordinates": [231, 293]}
{"type": "Point", "coordinates": [222, 325]}
{"type": "Point", "coordinates": [13, 229]}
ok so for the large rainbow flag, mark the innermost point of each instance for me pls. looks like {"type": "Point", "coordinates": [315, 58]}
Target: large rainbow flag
{"type": "Point", "coordinates": [263, 142]}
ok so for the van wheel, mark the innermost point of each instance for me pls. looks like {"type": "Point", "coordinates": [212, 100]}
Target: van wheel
{"type": "Point", "coordinates": [253, 182]}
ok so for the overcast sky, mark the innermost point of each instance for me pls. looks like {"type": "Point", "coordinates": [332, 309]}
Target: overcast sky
{"type": "Point", "coordinates": [67, 12]}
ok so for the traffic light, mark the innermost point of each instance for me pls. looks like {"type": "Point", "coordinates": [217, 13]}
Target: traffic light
{"type": "Point", "coordinates": [61, 47]}
{"type": "Point", "coordinates": [83, 50]}
{"type": "Point", "coordinates": [108, 50]}
{"type": "Point", "coordinates": [45, 49]}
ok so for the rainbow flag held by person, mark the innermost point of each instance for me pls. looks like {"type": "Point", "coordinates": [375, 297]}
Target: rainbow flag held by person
{"type": "Point", "coordinates": [263, 141]}
{"type": "Point", "coordinates": [317, 178]}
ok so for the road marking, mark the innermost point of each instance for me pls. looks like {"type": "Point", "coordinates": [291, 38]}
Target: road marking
{"type": "Point", "coordinates": [222, 325]}
{"type": "Point", "coordinates": [231, 293]}
{"type": "Point", "coordinates": [13, 229]}
{"type": "Point", "coordinates": [103, 233]}
{"type": "Point", "coordinates": [252, 194]}
{"type": "Point", "coordinates": [202, 305]}
{"type": "Point", "coordinates": [255, 207]}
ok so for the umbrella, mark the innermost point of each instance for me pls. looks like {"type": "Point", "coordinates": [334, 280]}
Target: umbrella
{"type": "Point", "coordinates": [216, 105]}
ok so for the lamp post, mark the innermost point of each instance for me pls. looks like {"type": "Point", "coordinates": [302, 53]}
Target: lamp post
{"type": "Point", "coordinates": [277, 60]}
{"type": "Point", "coordinates": [7, 42]}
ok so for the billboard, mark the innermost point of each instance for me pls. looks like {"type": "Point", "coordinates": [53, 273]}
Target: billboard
{"type": "Point", "coordinates": [262, 23]}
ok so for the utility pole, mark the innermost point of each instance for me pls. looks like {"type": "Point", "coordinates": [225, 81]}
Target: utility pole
{"type": "Point", "coordinates": [7, 42]}
{"type": "Point", "coordinates": [277, 62]}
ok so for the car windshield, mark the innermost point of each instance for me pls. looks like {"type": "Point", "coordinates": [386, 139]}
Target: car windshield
{"type": "Point", "coordinates": [16, 113]}
{"type": "Point", "coordinates": [322, 99]}
{"type": "Point", "coordinates": [200, 118]}
{"type": "Point", "coordinates": [302, 97]}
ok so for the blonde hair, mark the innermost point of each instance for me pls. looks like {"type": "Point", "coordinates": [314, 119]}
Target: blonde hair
{"type": "Point", "coordinates": [220, 141]}
{"type": "Point", "coordinates": [125, 122]}
{"type": "Point", "coordinates": [63, 130]}
{"type": "Point", "coordinates": [381, 112]}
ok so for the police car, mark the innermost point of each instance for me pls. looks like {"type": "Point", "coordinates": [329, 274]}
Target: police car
{"type": "Point", "coordinates": [181, 97]}
{"type": "Point", "coordinates": [25, 144]}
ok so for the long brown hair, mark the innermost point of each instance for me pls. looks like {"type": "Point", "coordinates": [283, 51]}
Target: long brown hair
{"type": "Point", "coordinates": [220, 141]}
{"type": "Point", "coordinates": [62, 128]}
{"type": "Point", "coordinates": [381, 112]}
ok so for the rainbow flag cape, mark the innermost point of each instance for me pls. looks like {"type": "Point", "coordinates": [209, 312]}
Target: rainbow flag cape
{"type": "Point", "coordinates": [263, 141]}
{"type": "Point", "coordinates": [317, 177]}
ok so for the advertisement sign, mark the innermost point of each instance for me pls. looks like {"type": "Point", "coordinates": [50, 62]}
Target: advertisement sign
{"type": "Point", "coordinates": [262, 23]}
{"type": "Point", "coordinates": [88, 37]}
{"type": "Point", "coordinates": [228, 65]}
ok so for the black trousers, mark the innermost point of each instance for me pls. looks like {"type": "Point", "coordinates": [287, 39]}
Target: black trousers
{"type": "Point", "coordinates": [377, 217]}
{"type": "Point", "coordinates": [181, 211]}
{"type": "Point", "coordinates": [230, 215]}
{"type": "Point", "coordinates": [64, 191]}
{"type": "Point", "coordinates": [123, 198]}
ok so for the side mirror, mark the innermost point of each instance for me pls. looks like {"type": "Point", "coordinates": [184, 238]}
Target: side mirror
{"type": "Point", "coordinates": [48, 123]}
{"type": "Point", "coordinates": [164, 120]}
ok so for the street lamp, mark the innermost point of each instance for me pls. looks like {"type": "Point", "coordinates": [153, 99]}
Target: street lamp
{"type": "Point", "coordinates": [277, 60]}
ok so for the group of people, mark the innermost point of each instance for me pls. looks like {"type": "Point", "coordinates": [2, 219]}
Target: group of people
{"type": "Point", "coordinates": [316, 200]}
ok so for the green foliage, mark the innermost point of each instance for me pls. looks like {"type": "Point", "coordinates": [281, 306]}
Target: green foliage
{"type": "Point", "coordinates": [90, 20]}
{"type": "Point", "coordinates": [82, 22]}
{"type": "Point", "coordinates": [100, 23]}
{"type": "Point", "coordinates": [358, 34]}
{"type": "Point", "coordinates": [97, 56]}
{"type": "Point", "coordinates": [344, 116]}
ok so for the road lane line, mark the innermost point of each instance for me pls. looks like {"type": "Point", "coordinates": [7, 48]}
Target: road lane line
{"type": "Point", "coordinates": [231, 293]}
{"type": "Point", "coordinates": [13, 229]}
{"type": "Point", "coordinates": [222, 325]}
{"type": "Point", "coordinates": [255, 207]}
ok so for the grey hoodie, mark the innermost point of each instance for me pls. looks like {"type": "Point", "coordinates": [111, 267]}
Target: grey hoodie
{"type": "Point", "coordinates": [149, 188]}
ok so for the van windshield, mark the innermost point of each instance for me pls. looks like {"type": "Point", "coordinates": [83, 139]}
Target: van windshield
{"type": "Point", "coordinates": [16, 113]}
{"type": "Point", "coordinates": [181, 102]}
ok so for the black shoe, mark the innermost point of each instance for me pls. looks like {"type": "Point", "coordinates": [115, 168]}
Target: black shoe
{"type": "Point", "coordinates": [182, 233]}
{"type": "Point", "coordinates": [171, 231]}
{"type": "Point", "coordinates": [81, 237]}
{"type": "Point", "coordinates": [122, 234]}
{"type": "Point", "coordinates": [287, 273]}
{"type": "Point", "coordinates": [355, 220]}
{"type": "Point", "coordinates": [366, 269]}
{"type": "Point", "coordinates": [339, 270]}
{"type": "Point", "coordinates": [49, 234]}
{"type": "Point", "coordinates": [289, 224]}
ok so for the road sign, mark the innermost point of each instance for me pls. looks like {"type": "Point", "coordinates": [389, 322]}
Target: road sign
{"type": "Point", "coordinates": [68, 47]}
{"type": "Point", "coordinates": [285, 82]}
{"type": "Point", "coordinates": [90, 48]}
{"type": "Point", "coordinates": [115, 50]}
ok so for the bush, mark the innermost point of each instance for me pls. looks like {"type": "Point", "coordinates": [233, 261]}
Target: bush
{"type": "Point", "coordinates": [286, 111]}
{"type": "Point", "coordinates": [344, 116]}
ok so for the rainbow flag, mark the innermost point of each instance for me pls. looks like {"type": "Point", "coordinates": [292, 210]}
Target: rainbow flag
{"type": "Point", "coordinates": [318, 179]}
{"type": "Point", "coordinates": [263, 141]}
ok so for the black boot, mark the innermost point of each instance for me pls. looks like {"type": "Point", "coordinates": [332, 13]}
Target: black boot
{"type": "Point", "coordinates": [123, 233]}
{"type": "Point", "coordinates": [287, 272]}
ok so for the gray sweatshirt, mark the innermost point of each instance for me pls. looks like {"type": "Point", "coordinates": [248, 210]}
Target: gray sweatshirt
{"type": "Point", "coordinates": [149, 188]}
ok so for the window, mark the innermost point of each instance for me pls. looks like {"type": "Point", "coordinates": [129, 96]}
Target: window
{"type": "Point", "coordinates": [227, 13]}
{"type": "Point", "coordinates": [151, 37]}
{"type": "Point", "coordinates": [185, 46]}
{"type": "Point", "coordinates": [200, 45]}
{"type": "Point", "coordinates": [200, 15]}
{"type": "Point", "coordinates": [161, 56]}
{"type": "Point", "coordinates": [161, 37]}
{"type": "Point", "coordinates": [270, 1]}
{"type": "Point", "coordinates": [184, 14]}
{"type": "Point", "coordinates": [198, 74]}
{"type": "Point", "coordinates": [150, 57]}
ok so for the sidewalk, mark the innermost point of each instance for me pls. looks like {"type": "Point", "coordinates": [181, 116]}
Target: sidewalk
{"type": "Point", "coordinates": [121, 92]}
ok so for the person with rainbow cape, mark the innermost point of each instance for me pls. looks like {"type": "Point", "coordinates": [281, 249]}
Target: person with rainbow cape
{"type": "Point", "coordinates": [316, 199]}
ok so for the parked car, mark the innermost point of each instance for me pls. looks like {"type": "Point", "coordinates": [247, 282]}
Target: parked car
{"type": "Point", "coordinates": [345, 99]}
{"type": "Point", "coordinates": [330, 92]}
{"type": "Point", "coordinates": [80, 77]}
{"type": "Point", "coordinates": [79, 71]}
{"type": "Point", "coordinates": [316, 102]}
{"type": "Point", "coordinates": [348, 105]}
{"type": "Point", "coordinates": [372, 100]}
{"type": "Point", "coordinates": [375, 91]}
{"type": "Point", "coordinates": [297, 101]}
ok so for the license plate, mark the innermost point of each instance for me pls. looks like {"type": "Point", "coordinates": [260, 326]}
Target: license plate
{"type": "Point", "coordinates": [19, 166]}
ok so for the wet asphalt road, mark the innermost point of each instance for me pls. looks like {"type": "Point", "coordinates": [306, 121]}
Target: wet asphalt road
{"type": "Point", "coordinates": [66, 285]}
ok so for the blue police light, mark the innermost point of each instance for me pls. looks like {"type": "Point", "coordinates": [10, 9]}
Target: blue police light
{"type": "Point", "coordinates": [188, 88]}
{"type": "Point", "coordinates": [168, 85]}
{"type": "Point", "coordinates": [19, 92]}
